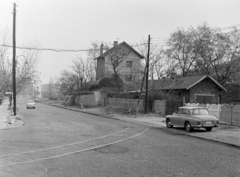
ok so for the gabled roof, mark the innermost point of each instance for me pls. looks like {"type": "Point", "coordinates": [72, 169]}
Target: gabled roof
{"type": "Point", "coordinates": [182, 83]}
{"type": "Point", "coordinates": [120, 44]}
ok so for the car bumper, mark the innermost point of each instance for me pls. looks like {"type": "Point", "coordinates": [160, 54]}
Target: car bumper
{"type": "Point", "coordinates": [203, 126]}
{"type": "Point", "coordinates": [30, 106]}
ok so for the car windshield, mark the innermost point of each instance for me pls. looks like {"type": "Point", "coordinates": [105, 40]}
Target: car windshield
{"type": "Point", "coordinates": [30, 101]}
{"type": "Point", "coordinates": [200, 111]}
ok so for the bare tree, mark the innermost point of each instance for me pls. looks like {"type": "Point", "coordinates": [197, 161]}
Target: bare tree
{"type": "Point", "coordinates": [66, 83]}
{"type": "Point", "coordinates": [5, 64]}
{"type": "Point", "coordinates": [92, 54]}
{"type": "Point", "coordinates": [116, 56]}
{"type": "Point", "coordinates": [26, 64]}
{"type": "Point", "coordinates": [218, 53]}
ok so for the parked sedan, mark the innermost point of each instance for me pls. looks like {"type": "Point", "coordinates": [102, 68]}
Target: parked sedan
{"type": "Point", "coordinates": [192, 117]}
{"type": "Point", "coordinates": [30, 104]}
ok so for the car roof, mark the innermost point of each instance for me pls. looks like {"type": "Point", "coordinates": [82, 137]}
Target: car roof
{"type": "Point", "coordinates": [192, 107]}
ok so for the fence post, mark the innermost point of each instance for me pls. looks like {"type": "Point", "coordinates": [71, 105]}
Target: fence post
{"type": "Point", "coordinates": [231, 114]}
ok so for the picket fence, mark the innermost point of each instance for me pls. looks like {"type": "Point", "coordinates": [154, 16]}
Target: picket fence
{"type": "Point", "coordinates": [229, 114]}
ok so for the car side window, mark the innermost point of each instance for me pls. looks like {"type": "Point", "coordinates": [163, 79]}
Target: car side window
{"type": "Point", "coordinates": [184, 111]}
{"type": "Point", "coordinates": [179, 111]}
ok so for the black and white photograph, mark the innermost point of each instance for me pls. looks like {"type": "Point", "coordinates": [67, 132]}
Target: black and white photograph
{"type": "Point", "coordinates": [119, 88]}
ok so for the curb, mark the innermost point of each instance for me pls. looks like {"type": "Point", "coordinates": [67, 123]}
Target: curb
{"type": "Point", "coordinates": [148, 124]}
{"type": "Point", "coordinates": [99, 115]}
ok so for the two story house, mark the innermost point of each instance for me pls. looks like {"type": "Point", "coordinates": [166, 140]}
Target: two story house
{"type": "Point", "coordinates": [121, 59]}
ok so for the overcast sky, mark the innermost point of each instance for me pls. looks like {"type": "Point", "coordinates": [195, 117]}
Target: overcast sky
{"type": "Point", "coordinates": [74, 24]}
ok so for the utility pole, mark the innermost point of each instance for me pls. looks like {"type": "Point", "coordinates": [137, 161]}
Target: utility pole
{"type": "Point", "coordinates": [147, 67]}
{"type": "Point", "coordinates": [14, 61]}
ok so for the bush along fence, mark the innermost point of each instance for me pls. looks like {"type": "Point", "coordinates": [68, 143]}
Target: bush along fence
{"type": "Point", "coordinates": [159, 106]}
{"type": "Point", "coordinates": [225, 113]}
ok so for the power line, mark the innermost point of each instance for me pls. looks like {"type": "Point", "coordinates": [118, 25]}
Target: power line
{"type": "Point", "coordinates": [49, 49]}
{"type": "Point", "coordinates": [57, 50]}
{"type": "Point", "coordinates": [158, 40]}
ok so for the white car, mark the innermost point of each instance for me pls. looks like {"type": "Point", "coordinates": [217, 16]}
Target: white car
{"type": "Point", "coordinates": [30, 104]}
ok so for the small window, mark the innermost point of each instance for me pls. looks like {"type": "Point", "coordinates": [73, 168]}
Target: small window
{"type": "Point", "coordinates": [129, 64]}
{"type": "Point", "coordinates": [179, 111]}
{"type": "Point", "coordinates": [184, 111]}
{"type": "Point", "coordinates": [200, 112]}
{"type": "Point", "coordinates": [128, 77]}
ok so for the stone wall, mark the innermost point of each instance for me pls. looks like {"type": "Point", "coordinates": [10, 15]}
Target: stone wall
{"type": "Point", "coordinates": [206, 87]}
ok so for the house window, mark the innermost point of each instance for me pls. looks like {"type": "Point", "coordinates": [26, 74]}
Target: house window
{"type": "Point", "coordinates": [128, 78]}
{"type": "Point", "coordinates": [204, 99]}
{"type": "Point", "coordinates": [129, 64]}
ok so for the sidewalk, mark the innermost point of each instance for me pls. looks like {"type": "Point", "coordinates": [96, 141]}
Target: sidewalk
{"type": "Point", "coordinates": [224, 133]}
{"type": "Point", "coordinates": [4, 112]}
{"type": "Point", "coordinates": [6, 120]}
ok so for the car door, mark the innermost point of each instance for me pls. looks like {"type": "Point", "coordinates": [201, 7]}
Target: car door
{"type": "Point", "coordinates": [184, 116]}
{"type": "Point", "coordinates": [175, 117]}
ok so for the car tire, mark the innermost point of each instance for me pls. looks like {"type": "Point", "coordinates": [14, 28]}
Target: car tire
{"type": "Point", "coordinates": [188, 127]}
{"type": "Point", "coordinates": [168, 123]}
{"type": "Point", "coordinates": [208, 129]}
{"type": "Point", "coordinates": [27, 107]}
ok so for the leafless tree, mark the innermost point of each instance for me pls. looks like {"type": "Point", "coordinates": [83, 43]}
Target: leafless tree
{"type": "Point", "coordinates": [115, 58]}
{"type": "Point", "coordinates": [182, 49]}
{"type": "Point", "coordinates": [26, 64]}
{"type": "Point", "coordinates": [66, 83]}
{"type": "Point", "coordinates": [92, 54]}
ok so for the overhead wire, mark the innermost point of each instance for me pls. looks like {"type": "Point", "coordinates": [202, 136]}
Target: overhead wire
{"type": "Point", "coordinates": [157, 40]}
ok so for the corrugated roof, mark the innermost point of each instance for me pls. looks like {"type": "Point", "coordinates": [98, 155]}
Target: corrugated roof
{"type": "Point", "coordinates": [182, 83]}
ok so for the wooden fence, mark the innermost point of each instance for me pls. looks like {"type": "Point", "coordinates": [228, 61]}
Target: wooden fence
{"type": "Point", "coordinates": [121, 103]}
{"type": "Point", "coordinates": [159, 106]}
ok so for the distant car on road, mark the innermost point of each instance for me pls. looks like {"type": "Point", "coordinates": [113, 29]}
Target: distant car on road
{"type": "Point", "coordinates": [192, 117]}
{"type": "Point", "coordinates": [31, 104]}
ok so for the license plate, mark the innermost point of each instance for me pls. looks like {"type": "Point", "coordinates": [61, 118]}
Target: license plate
{"type": "Point", "coordinates": [209, 122]}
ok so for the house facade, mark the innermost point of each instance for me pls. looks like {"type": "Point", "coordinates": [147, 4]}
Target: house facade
{"type": "Point", "coordinates": [122, 58]}
{"type": "Point", "coordinates": [196, 89]}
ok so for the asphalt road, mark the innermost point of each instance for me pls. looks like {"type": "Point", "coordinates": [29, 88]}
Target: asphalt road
{"type": "Point", "coordinates": [61, 143]}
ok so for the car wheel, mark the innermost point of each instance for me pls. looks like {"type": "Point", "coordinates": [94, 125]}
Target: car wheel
{"type": "Point", "coordinates": [188, 127]}
{"type": "Point", "coordinates": [168, 124]}
{"type": "Point", "coordinates": [208, 129]}
{"type": "Point", "coordinates": [27, 107]}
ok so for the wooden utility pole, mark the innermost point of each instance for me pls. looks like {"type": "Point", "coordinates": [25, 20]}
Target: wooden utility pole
{"type": "Point", "coordinates": [14, 61]}
{"type": "Point", "coordinates": [147, 67]}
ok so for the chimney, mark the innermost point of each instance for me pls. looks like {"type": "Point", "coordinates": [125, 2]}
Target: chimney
{"type": "Point", "coordinates": [115, 43]}
{"type": "Point", "coordinates": [101, 49]}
